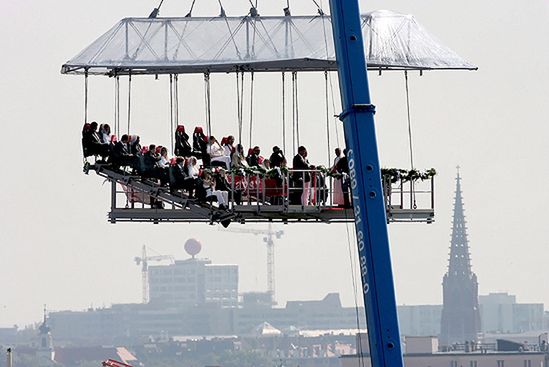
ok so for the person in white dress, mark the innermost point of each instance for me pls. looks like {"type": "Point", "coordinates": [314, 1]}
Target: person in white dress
{"type": "Point", "coordinates": [239, 160]}
{"type": "Point", "coordinates": [192, 167]}
{"type": "Point", "coordinates": [164, 162]}
{"type": "Point", "coordinates": [217, 153]}
{"type": "Point", "coordinates": [229, 146]}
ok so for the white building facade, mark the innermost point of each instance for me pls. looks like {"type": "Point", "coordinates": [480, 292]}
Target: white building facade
{"type": "Point", "coordinates": [502, 314]}
{"type": "Point", "coordinates": [193, 282]}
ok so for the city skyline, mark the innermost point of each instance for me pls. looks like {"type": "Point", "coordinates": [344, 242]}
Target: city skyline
{"type": "Point", "coordinates": [259, 282]}
{"type": "Point", "coordinates": [57, 247]}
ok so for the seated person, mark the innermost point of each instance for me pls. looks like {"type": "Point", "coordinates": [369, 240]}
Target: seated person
{"type": "Point", "coordinates": [238, 160]}
{"type": "Point", "coordinates": [150, 160]}
{"type": "Point", "coordinates": [121, 155]}
{"type": "Point", "coordinates": [221, 183]}
{"type": "Point", "coordinates": [180, 179]}
{"type": "Point", "coordinates": [228, 146]}
{"type": "Point", "coordinates": [277, 157]}
{"type": "Point", "coordinates": [200, 145]}
{"type": "Point", "coordinates": [192, 167]}
{"type": "Point", "coordinates": [112, 143]}
{"type": "Point", "coordinates": [206, 191]}
{"type": "Point", "coordinates": [163, 162]}
{"type": "Point", "coordinates": [85, 132]}
{"type": "Point", "coordinates": [254, 158]}
{"type": "Point", "coordinates": [163, 166]}
{"type": "Point", "coordinates": [217, 154]}
{"type": "Point", "coordinates": [91, 143]}
{"type": "Point", "coordinates": [134, 145]}
{"type": "Point", "coordinates": [182, 146]}
{"type": "Point", "coordinates": [105, 133]}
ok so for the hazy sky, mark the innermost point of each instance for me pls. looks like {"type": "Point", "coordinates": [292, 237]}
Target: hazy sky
{"type": "Point", "coordinates": [57, 247]}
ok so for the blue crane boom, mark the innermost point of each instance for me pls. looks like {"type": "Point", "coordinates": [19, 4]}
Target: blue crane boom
{"type": "Point", "coordinates": [365, 181]}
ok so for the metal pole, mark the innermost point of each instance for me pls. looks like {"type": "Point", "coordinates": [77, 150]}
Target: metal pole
{"type": "Point", "coordinates": [401, 194]}
{"type": "Point", "coordinates": [171, 114]}
{"type": "Point", "coordinates": [86, 97]}
{"type": "Point", "coordinates": [117, 106]}
{"type": "Point", "coordinates": [129, 99]}
{"type": "Point", "coordinates": [127, 43]}
{"type": "Point", "coordinates": [433, 192]}
{"type": "Point", "coordinates": [113, 199]}
{"type": "Point", "coordinates": [365, 175]}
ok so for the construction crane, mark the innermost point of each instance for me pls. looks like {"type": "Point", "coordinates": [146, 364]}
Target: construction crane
{"type": "Point", "coordinates": [378, 289]}
{"type": "Point", "coordinates": [144, 262]}
{"type": "Point", "coordinates": [270, 235]}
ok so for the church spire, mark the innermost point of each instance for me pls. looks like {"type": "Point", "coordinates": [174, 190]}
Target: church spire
{"type": "Point", "coordinates": [460, 259]}
{"type": "Point", "coordinates": [460, 321]}
{"type": "Point", "coordinates": [45, 353]}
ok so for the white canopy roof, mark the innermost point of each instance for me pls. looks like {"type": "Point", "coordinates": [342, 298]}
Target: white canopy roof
{"type": "Point", "coordinates": [224, 44]}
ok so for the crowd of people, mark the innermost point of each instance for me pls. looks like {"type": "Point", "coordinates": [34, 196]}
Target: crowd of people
{"type": "Point", "coordinates": [200, 164]}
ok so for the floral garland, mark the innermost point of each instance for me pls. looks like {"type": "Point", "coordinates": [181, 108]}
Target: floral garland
{"type": "Point", "coordinates": [394, 175]}
{"type": "Point", "coordinates": [328, 172]}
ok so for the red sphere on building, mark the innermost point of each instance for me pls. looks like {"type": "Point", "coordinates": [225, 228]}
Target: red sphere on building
{"type": "Point", "coordinates": [193, 247]}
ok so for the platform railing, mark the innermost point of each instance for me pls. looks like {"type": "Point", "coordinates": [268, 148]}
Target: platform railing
{"type": "Point", "coordinates": [285, 189]}
{"type": "Point", "coordinates": [414, 199]}
{"type": "Point", "coordinates": [268, 197]}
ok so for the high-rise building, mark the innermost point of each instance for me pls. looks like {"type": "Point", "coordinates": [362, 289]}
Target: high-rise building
{"type": "Point", "coordinates": [460, 320]}
{"type": "Point", "coordinates": [502, 314]}
{"type": "Point", "coordinates": [193, 282]}
{"type": "Point", "coordinates": [419, 320]}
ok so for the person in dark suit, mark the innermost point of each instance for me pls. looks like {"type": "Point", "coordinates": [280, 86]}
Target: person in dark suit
{"type": "Point", "coordinates": [182, 146]}
{"type": "Point", "coordinates": [180, 179]}
{"type": "Point", "coordinates": [253, 157]}
{"type": "Point", "coordinates": [150, 160]}
{"type": "Point", "coordinates": [342, 167]}
{"type": "Point", "coordinates": [120, 155]}
{"type": "Point", "coordinates": [277, 157]}
{"type": "Point", "coordinates": [302, 178]}
{"type": "Point", "coordinates": [221, 183]}
{"type": "Point", "coordinates": [200, 146]}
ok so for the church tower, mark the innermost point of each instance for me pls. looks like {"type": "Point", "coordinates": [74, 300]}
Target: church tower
{"type": "Point", "coordinates": [460, 320]}
{"type": "Point", "coordinates": [45, 353]}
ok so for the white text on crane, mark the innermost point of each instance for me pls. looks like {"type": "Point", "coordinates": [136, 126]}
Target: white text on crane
{"type": "Point", "coordinates": [358, 222]}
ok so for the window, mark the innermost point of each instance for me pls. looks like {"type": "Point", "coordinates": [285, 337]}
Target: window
{"type": "Point", "coordinates": [527, 363]}
{"type": "Point", "coordinates": [473, 364]}
{"type": "Point", "coordinates": [453, 364]}
{"type": "Point", "coordinates": [501, 363]}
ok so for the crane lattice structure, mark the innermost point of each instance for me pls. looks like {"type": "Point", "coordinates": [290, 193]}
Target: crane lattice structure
{"type": "Point", "coordinates": [270, 235]}
{"type": "Point", "coordinates": [144, 262]}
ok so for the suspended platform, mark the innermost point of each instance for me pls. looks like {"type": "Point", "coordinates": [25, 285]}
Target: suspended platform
{"type": "Point", "coordinates": [195, 45]}
{"type": "Point", "coordinates": [135, 199]}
